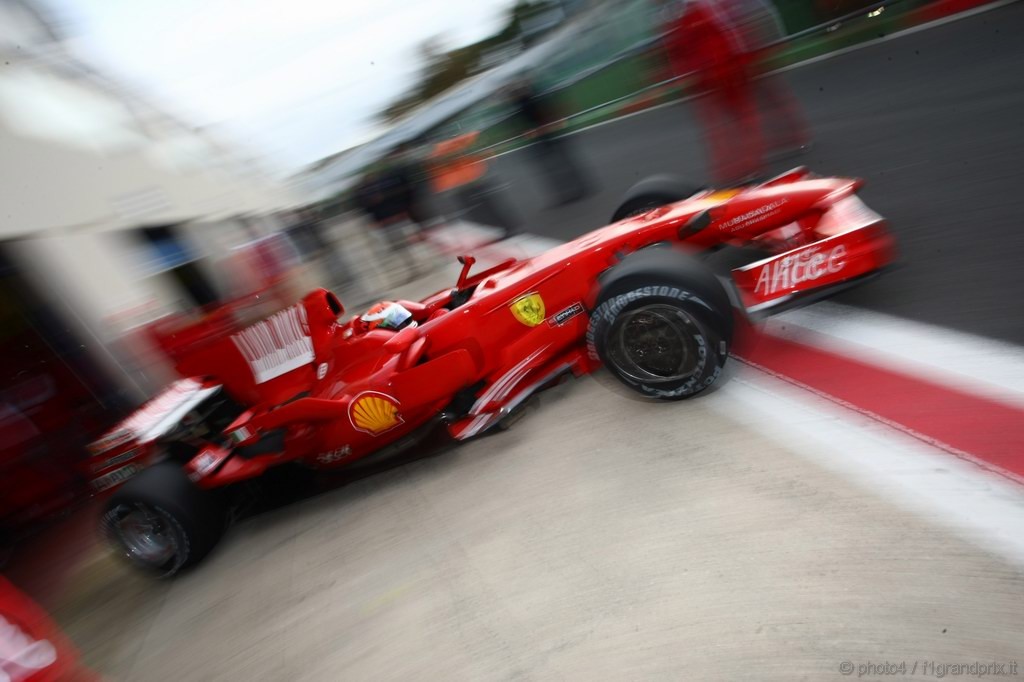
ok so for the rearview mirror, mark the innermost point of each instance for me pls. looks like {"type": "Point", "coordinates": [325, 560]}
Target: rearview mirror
{"type": "Point", "coordinates": [467, 263]}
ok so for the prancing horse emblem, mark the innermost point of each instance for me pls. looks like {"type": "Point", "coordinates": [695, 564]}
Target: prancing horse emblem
{"type": "Point", "coordinates": [528, 309]}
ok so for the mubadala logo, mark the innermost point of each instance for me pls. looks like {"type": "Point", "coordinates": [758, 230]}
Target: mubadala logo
{"type": "Point", "coordinates": [754, 216]}
{"type": "Point", "coordinates": [803, 267]}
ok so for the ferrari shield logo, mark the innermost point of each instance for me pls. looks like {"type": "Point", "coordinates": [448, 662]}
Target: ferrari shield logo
{"type": "Point", "coordinates": [528, 309]}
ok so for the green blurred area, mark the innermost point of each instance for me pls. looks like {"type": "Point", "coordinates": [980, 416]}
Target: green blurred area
{"type": "Point", "coordinates": [627, 83]}
{"type": "Point", "coordinates": [615, 65]}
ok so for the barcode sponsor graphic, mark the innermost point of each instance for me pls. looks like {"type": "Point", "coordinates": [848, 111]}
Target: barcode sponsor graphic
{"type": "Point", "coordinates": [276, 345]}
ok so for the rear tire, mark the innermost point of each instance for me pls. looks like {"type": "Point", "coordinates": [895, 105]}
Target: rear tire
{"type": "Point", "coordinates": [162, 522]}
{"type": "Point", "coordinates": [662, 324]}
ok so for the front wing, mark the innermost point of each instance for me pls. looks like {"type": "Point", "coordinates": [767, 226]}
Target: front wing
{"type": "Point", "coordinates": [858, 245]}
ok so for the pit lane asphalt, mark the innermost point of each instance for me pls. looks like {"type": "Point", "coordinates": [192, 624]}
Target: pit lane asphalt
{"type": "Point", "coordinates": [933, 120]}
{"type": "Point", "coordinates": [602, 538]}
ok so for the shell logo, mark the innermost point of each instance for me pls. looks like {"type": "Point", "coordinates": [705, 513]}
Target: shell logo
{"type": "Point", "coordinates": [528, 309]}
{"type": "Point", "coordinates": [374, 413]}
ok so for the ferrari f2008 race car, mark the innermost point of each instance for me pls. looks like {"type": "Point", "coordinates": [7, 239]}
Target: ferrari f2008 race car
{"type": "Point", "coordinates": [305, 387]}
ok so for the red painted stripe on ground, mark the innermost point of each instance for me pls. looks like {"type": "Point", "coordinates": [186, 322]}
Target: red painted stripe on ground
{"type": "Point", "coordinates": [971, 426]}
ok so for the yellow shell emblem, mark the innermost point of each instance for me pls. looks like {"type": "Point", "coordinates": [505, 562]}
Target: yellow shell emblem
{"type": "Point", "coordinates": [528, 309]}
{"type": "Point", "coordinates": [374, 413]}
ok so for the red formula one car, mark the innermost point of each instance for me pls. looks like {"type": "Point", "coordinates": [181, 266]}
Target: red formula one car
{"type": "Point", "coordinates": [304, 387]}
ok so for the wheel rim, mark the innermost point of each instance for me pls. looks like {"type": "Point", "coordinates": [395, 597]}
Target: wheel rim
{"type": "Point", "coordinates": [146, 535]}
{"type": "Point", "coordinates": [655, 343]}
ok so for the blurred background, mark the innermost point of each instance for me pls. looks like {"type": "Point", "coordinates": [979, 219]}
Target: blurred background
{"type": "Point", "coordinates": [163, 162]}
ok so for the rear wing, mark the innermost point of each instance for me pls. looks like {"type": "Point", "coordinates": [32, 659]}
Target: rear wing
{"type": "Point", "coordinates": [267, 361]}
{"type": "Point", "coordinates": [156, 417]}
{"type": "Point", "coordinates": [121, 451]}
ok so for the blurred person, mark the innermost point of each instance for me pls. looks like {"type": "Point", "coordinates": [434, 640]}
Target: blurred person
{"type": "Point", "coordinates": [413, 177]}
{"type": "Point", "coordinates": [384, 196]}
{"type": "Point", "coordinates": [783, 124]}
{"type": "Point", "coordinates": [564, 175]}
{"type": "Point", "coordinates": [401, 179]}
{"type": "Point", "coordinates": [304, 230]}
{"type": "Point", "coordinates": [719, 43]}
{"type": "Point", "coordinates": [309, 232]}
{"type": "Point", "coordinates": [462, 175]}
{"type": "Point", "coordinates": [700, 39]}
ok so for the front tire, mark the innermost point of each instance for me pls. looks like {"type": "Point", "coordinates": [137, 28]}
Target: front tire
{"type": "Point", "coordinates": [662, 325]}
{"type": "Point", "coordinates": [161, 522]}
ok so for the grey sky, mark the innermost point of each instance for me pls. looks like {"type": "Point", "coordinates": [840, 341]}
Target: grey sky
{"type": "Point", "coordinates": [293, 80]}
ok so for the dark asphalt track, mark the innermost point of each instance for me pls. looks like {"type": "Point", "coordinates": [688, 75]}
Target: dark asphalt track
{"type": "Point", "coordinates": [933, 120]}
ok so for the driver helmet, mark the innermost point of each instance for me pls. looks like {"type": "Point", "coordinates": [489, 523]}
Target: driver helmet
{"type": "Point", "coordinates": [386, 315]}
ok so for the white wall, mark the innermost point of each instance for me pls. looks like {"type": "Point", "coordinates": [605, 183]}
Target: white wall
{"type": "Point", "coordinates": [88, 279]}
{"type": "Point", "coordinates": [83, 163]}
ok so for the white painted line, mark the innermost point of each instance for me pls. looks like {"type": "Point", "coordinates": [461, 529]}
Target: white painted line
{"type": "Point", "coordinates": [983, 508]}
{"type": "Point", "coordinates": [973, 364]}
